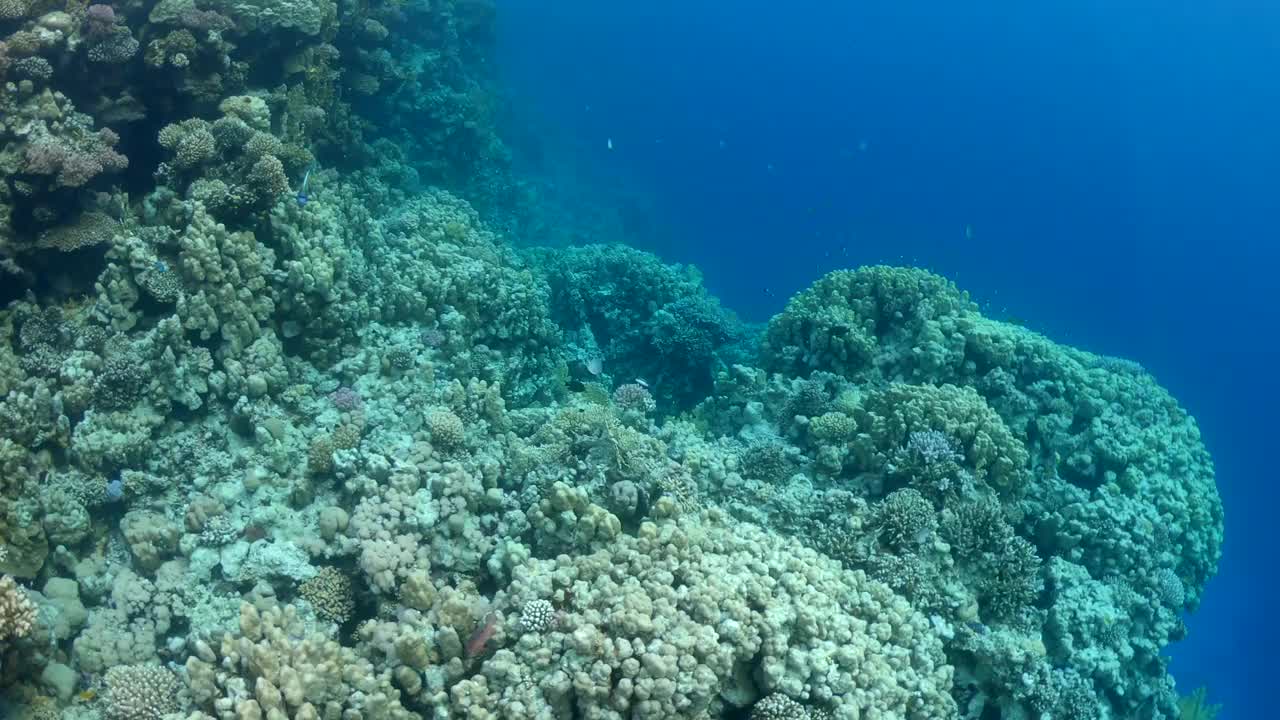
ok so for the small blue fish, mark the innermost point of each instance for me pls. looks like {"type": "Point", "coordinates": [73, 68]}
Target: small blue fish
{"type": "Point", "coordinates": [302, 191]}
{"type": "Point", "coordinates": [161, 266]}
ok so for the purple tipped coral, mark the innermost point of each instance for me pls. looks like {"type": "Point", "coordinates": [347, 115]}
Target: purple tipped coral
{"type": "Point", "coordinates": [933, 446]}
{"type": "Point", "coordinates": [634, 396]}
{"type": "Point", "coordinates": [74, 164]}
{"type": "Point", "coordinates": [99, 18]}
{"type": "Point", "coordinates": [345, 399]}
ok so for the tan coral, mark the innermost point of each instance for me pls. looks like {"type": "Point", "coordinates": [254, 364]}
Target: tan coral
{"type": "Point", "coordinates": [447, 431]}
{"type": "Point", "coordinates": [17, 612]}
{"type": "Point", "coordinates": [330, 593]}
{"type": "Point", "coordinates": [661, 624]}
{"type": "Point", "coordinates": [142, 692]}
{"type": "Point", "coordinates": [14, 9]}
{"type": "Point", "coordinates": [273, 668]}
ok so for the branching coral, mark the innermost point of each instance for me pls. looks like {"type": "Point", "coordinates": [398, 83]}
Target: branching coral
{"type": "Point", "coordinates": [141, 692]}
{"type": "Point", "coordinates": [905, 519]}
{"type": "Point", "coordinates": [939, 439]}
{"type": "Point", "coordinates": [72, 164]}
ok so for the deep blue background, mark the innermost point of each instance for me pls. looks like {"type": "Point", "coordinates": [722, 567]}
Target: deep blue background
{"type": "Point", "coordinates": [1116, 163]}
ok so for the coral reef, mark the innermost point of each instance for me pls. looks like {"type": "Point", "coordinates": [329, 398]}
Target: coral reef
{"type": "Point", "coordinates": [289, 430]}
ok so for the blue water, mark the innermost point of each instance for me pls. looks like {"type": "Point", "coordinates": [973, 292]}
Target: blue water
{"type": "Point", "coordinates": [1104, 172]}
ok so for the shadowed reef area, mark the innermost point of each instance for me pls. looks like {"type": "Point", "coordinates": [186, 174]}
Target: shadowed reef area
{"type": "Point", "coordinates": [294, 425]}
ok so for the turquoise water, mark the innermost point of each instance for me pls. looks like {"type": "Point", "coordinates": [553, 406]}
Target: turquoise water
{"type": "Point", "coordinates": [462, 360]}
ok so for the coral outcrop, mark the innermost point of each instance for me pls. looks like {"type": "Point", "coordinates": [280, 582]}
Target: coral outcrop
{"type": "Point", "coordinates": [290, 429]}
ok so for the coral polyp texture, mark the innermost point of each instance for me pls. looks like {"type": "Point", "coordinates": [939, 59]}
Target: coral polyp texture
{"type": "Point", "coordinates": [289, 429]}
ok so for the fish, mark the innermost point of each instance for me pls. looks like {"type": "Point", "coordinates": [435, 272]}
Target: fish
{"type": "Point", "coordinates": [609, 143]}
{"type": "Point", "coordinates": [482, 635]}
{"type": "Point", "coordinates": [302, 191]}
{"type": "Point", "coordinates": [595, 365]}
